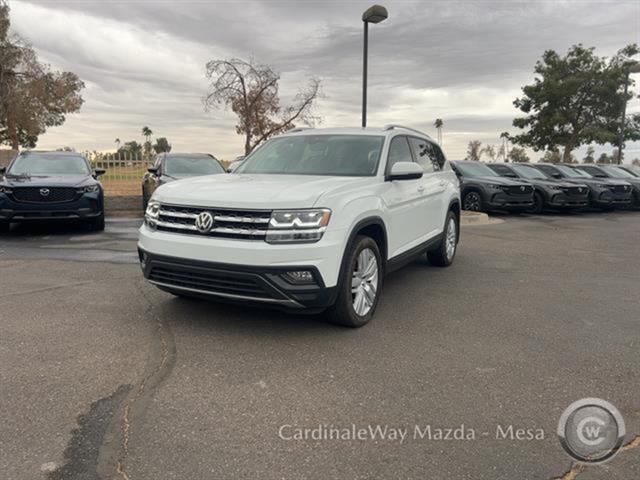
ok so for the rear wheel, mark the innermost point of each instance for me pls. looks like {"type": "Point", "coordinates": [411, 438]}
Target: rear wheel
{"type": "Point", "coordinates": [359, 285]}
{"type": "Point", "coordinates": [445, 253]}
{"type": "Point", "coordinates": [472, 201]}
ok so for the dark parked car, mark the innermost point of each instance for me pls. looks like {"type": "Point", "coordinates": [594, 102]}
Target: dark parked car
{"type": "Point", "coordinates": [617, 173]}
{"type": "Point", "coordinates": [603, 193]}
{"type": "Point", "coordinates": [51, 186]}
{"type": "Point", "coordinates": [549, 193]}
{"type": "Point", "coordinates": [632, 169]}
{"type": "Point", "coordinates": [175, 166]}
{"type": "Point", "coordinates": [484, 190]}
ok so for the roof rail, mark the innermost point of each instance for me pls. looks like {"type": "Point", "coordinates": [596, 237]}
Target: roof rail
{"type": "Point", "coordinates": [299, 129]}
{"type": "Point", "coordinates": [392, 126]}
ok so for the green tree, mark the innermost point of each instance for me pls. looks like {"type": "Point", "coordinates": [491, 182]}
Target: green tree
{"type": "Point", "coordinates": [552, 156]}
{"type": "Point", "coordinates": [251, 90]}
{"type": "Point", "coordinates": [130, 149]}
{"type": "Point", "coordinates": [575, 100]}
{"type": "Point", "coordinates": [589, 158]}
{"type": "Point", "coordinates": [162, 145]}
{"type": "Point", "coordinates": [518, 155]}
{"type": "Point", "coordinates": [604, 158]}
{"type": "Point", "coordinates": [490, 151]}
{"type": "Point", "coordinates": [474, 150]}
{"type": "Point", "coordinates": [32, 96]}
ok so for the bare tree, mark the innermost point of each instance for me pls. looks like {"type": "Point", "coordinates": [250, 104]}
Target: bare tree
{"type": "Point", "coordinates": [474, 150]}
{"type": "Point", "coordinates": [490, 151]}
{"type": "Point", "coordinates": [251, 90]}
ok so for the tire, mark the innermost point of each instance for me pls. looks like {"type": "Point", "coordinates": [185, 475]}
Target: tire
{"type": "Point", "coordinates": [97, 224]}
{"type": "Point", "coordinates": [4, 227]}
{"type": "Point", "coordinates": [472, 201]}
{"type": "Point", "coordinates": [635, 202]}
{"type": "Point", "coordinates": [445, 253]}
{"type": "Point", "coordinates": [354, 306]}
{"type": "Point", "coordinates": [538, 204]}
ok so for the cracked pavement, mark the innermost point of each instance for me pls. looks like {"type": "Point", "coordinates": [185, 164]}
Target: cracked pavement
{"type": "Point", "coordinates": [104, 377]}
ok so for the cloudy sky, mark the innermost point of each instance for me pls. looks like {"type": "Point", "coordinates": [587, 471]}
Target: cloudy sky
{"type": "Point", "coordinates": [143, 61]}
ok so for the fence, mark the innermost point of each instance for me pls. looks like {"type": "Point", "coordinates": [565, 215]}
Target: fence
{"type": "Point", "coordinates": [124, 172]}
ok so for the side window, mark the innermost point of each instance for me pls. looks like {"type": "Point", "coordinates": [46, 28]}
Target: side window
{"type": "Point", "coordinates": [440, 158]}
{"type": "Point", "coordinates": [547, 170]}
{"type": "Point", "coordinates": [423, 153]}
{"type": "Point", "coordinates": [398, 152]}
{"type": "Point", "coordinates": [502, 170]}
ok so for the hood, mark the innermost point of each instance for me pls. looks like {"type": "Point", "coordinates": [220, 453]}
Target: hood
{"type": "Point", "coordinates": [45, 181]}
{"type": "Point", "coordinates": [499, 181]}
{"type": "Point", "coordinates": [252, 191]}
{"type": "Point", "coordinates": [548, 182]}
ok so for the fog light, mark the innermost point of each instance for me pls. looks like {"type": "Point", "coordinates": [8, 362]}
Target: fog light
{"type": "Point", "coordinates": [143, 259]}
{"type": "Point", "coordinates": [299, 277]}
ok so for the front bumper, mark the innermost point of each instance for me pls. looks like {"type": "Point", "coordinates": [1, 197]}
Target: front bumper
{"type": "Point", "coordinates": [505, 201]}
{"type": "Point", "coordinates": [243, 284]}
{"type": "Point", "coordinates": [608, 198]}
{"type": "Point", "coordinates": [562, 201]}
{"type": "Point", "coordinates": [89, 205]}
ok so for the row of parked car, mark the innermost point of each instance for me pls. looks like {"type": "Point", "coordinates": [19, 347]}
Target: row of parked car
{"type": "Point", "coordinates": [537, 187]}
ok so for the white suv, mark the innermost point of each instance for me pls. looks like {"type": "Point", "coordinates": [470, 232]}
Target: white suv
{"type": "Point", "coordinates": [313, 219]}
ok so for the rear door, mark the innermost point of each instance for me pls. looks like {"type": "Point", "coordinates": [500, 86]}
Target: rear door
{"type": "Point", "coordinates": [430, 158]}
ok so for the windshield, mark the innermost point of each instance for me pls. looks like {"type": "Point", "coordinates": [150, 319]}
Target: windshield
{"type": "Point", "coordinates": [475, 169]}
{"type": "Point", "coordinates": [529, 172]}
{"type": "Point", "coordinates": [191, 166]}
{"type": "Point", "coordinates": [617, 172]}
{"type": "Point", "coordinates": [343, 155]}
{"type": "Point", "coordinates": [573, 172]}
{"type": "Point", "coordinates": [49, 165]}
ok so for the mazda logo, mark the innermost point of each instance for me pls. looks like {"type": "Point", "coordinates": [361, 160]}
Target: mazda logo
{"type": "Point", "coordinates": [44, 192]}
{"type": "Point", "coordinates": [522, 188]}
{"type": "Point", "coordinates": [580, 189]}
{"type": "Point", "coordinates": [204, 222]}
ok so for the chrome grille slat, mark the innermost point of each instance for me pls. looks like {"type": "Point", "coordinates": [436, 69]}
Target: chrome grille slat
{"type": "Point", "coordinates": [241, 224]}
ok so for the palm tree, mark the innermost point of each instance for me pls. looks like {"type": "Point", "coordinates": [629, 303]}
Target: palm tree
{"type": "Point", "coordinates": [117, 140]}
{"type": "Point", "coordinates": [438, 124]}
{"type": "Point", "coordinates": [146, 133]}
{"type": "Point", "coordinates": [505, 144]}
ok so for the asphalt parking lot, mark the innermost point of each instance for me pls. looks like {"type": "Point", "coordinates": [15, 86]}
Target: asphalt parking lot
{"type": "Point", "coordinates": [103, 376]}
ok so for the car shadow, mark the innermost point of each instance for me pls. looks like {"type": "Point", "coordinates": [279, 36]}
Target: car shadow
{"type": "Point", "coordinates": [27, 229]}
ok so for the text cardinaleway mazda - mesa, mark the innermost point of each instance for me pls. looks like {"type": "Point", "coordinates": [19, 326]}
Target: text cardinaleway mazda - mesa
{"type": "Point", "coordinates": [312, 220]}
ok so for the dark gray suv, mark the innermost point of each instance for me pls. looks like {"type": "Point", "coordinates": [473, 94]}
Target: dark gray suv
{"type": "Point", "coordinates": [483, 190]}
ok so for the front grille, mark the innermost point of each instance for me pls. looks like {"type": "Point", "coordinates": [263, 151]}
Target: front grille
{"type": "Point", "coordinates": [575, 191]}
{"type": "Point", "coordinates": [619, 188]}
{"type": "Point", "coordinates": [519, 190]}
{"type": "Point", "coordinates": [213, 281]}
{"type": "Point", "coordinates": [227, 223]}
{"type": "Point", "coordinates": [44, 194]}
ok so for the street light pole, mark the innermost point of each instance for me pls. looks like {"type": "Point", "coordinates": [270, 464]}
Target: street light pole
{"type": "Point", "coordinates": [632, 67]}
{"type": "Point", "coordinates": [374, 14]}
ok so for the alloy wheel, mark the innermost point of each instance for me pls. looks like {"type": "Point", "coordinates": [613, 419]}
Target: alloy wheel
{"type": "Point", "coordinates": [364, 282]}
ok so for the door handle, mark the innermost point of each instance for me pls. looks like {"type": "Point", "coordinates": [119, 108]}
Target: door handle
{"type": "Point", "coordinates": [421, 188]}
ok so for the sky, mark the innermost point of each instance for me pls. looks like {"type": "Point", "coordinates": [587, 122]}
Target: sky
{"type": "Point", "coordinates": [143, 62]}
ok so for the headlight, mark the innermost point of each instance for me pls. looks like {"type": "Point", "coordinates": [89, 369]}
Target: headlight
{"type": "Point", "coordinates": [496, 187]}
{"type": "Point", "coordinates": [90, 189]}
{"type": "Point", "coordinates": [5, 189]}
{"type": "Point", "coordinates": [554, 187]}
{"type": "Point", "coordinates": [152, 214]}
{"type": "Point", "coordinates": [297, 226]}
{"type": "Point", "coordinates": [603, 186]}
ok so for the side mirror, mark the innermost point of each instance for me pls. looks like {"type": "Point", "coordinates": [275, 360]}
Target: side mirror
{"type": "Point", "coordinates": [557, 176]}
{"type": "Point", "coordinates": [99, 171]}
{"type": "Point", "coordinates": [405, 171]}
{"type": "Point", "coordinates": [153, 170]}
{"type": "Point", "coordinates": [3, 170]}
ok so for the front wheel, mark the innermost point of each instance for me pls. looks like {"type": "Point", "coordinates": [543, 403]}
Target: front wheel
{"type": "Point", "coordinates": [97, 224]}
{"type": "Point", "coordinates": [472, 201]}
{"type": "Point", "coordinates": [538, 204]}
{"type": "Point", "coordinates": [445, 253]}
{"type": "Point", "coordinates": [359, 285]}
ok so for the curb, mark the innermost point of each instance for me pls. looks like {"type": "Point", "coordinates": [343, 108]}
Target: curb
{"type": "Point", "coordinates": [477, 218]}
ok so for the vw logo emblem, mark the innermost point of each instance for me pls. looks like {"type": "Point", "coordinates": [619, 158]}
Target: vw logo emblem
{"type": "Point", "coordinates": [204, 222]}
{"type": "Point", "coordinates": [44, 192]}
